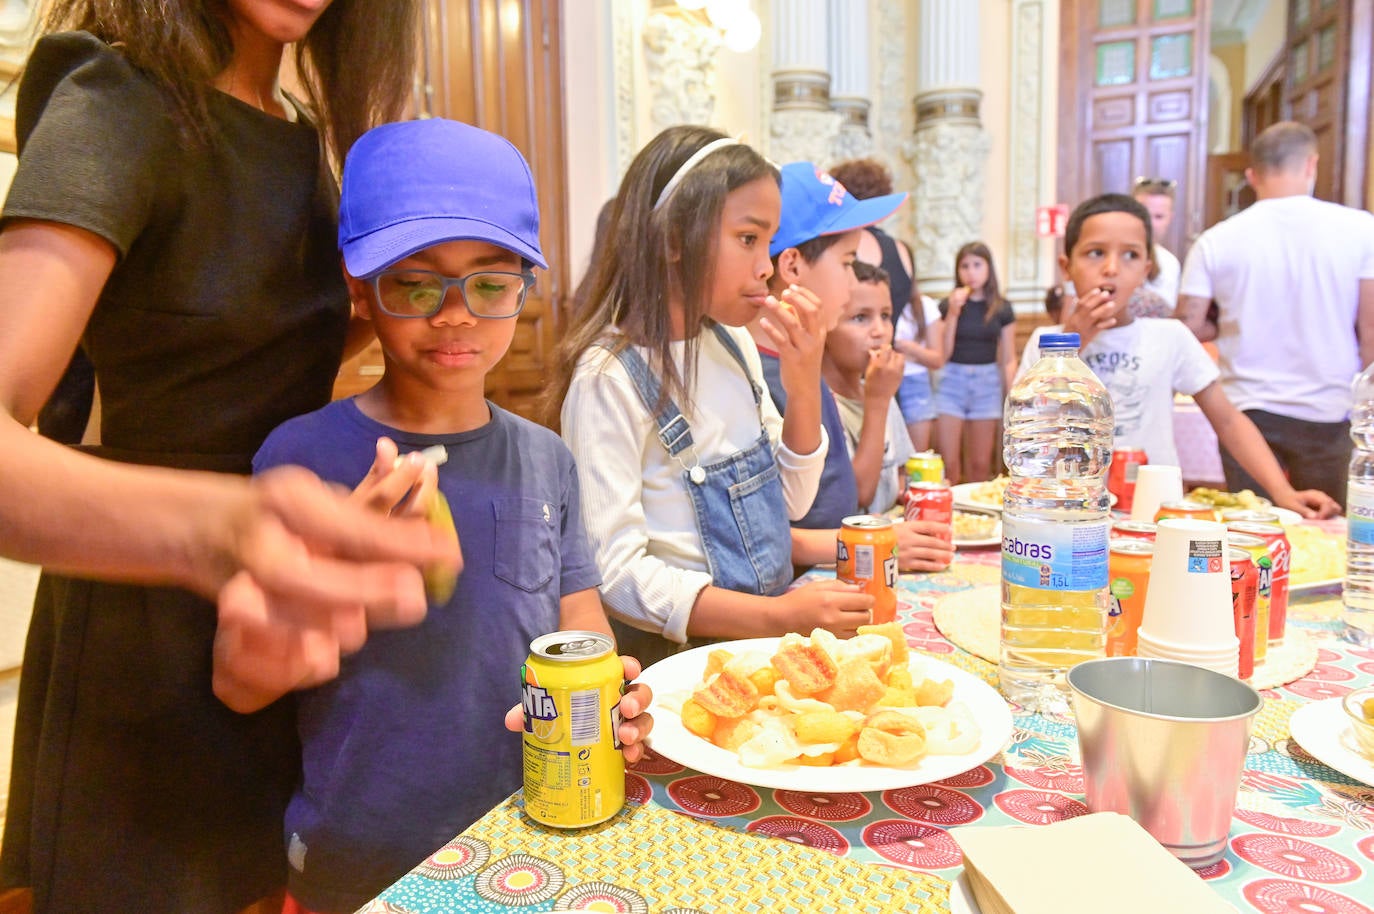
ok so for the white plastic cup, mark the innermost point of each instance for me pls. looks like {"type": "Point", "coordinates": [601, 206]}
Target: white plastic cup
{"type": "Point", "coordinates": [1189, 599]}
{"type": "Point", "coordinates": [1155, 484]}
{"type": "Point", "coordinates": [1226, 662]}
{"type": "Point", "coordinates": [1165, 744]}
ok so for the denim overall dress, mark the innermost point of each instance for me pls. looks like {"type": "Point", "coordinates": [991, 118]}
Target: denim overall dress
{"type": "Point", "coordinates": [738, 502]}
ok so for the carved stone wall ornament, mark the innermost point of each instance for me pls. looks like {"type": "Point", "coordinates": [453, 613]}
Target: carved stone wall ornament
{"type": "Point", "coordinates": [950, 160]}
{"type": "Point", "coordinates": [680, 60]}
{"type": "Point", "coordinates": [623, 38]}
{"type": "Point", "coordinates": [1026, 275]}
{"type": "Point", "coordinates": [802, 135]}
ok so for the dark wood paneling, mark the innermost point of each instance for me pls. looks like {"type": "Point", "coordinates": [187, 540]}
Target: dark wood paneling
{"type": "Point", "coordinates": [1149, 121]}
{"type": "Point", "coordinates": [498, 64]}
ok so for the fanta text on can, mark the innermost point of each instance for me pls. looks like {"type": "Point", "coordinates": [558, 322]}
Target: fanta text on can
{"type": "Point", "coordinates": [574, 771]}
{"type": "Point", "coordinates": [866, 554]}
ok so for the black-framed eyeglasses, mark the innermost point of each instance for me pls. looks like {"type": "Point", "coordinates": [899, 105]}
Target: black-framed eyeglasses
{"type": "Point", "coordinates": [1163, 185]}
{"type": "Point", "coordinates": [421, 293]}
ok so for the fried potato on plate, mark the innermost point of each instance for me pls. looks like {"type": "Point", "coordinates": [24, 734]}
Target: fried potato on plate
{"type": "Point", "coordinates": [893, 633]}
{"type": "Point", "coordinates": [824, 727]}
{"type": "Point", "coordinates": [934, 694]}
{"type": "Point", "coordinates": [697, 719]}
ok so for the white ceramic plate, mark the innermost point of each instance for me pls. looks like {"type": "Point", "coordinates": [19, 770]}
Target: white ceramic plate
{"type": "Point", "coordinates": [680, 673]}
{"type": "Point", "coordinates": [1286, 515]}
{"type": "Point", "coordinates": [1309, 586]}
{"type": "Point", "coordinates": [1324, 730]}
{"type": "Point", "coordinates": [963, 498]}
{"type": "Point", "coordinates": [994, 536]}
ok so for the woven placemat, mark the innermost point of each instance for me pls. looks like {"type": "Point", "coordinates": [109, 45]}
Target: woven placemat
{"type": "Point", "coordinates": [972, 619]}
{"type": "Point", "coordinates": [651, 860]}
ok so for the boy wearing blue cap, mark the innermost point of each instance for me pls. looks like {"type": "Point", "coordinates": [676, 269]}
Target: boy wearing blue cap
{"type": "Point", "coordinates": [439, 229]}
{"type": "Point", "coordinates": [814, 248]}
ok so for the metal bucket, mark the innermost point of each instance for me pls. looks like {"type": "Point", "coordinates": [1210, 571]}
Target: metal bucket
{"type": "Point", "coordinates": [1164, 743]}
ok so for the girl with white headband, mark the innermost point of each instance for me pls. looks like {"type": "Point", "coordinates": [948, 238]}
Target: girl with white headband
{"type": "Point", "coordinates": [688, 473]}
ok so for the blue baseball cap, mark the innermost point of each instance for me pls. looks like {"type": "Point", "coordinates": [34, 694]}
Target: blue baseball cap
{"type": "Point", "coordinates": [815, 204]}
{"type": "Point", "coordinates": [414, 184]}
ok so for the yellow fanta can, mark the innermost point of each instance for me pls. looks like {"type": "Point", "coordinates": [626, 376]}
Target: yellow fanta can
{"type": "Point", "coordinates": [574, 772]}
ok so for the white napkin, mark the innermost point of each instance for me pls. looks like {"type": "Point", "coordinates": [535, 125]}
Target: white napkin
{"type": "Point", "coordinates": [1086, 865]}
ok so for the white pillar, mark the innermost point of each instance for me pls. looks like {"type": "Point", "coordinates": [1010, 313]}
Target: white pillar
{"type": "Point", "coordinates": [849, 57]}
{"type": "Point", "coordinates": [1032, 139]}
{"type": "Point", "coordinates": [802, 123]}
{"type": "Point", "coordinates": [950, 147]}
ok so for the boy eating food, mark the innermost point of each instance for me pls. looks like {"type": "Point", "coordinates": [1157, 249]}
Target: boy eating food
{"type": "Point", "coordinates": [1144, 361]}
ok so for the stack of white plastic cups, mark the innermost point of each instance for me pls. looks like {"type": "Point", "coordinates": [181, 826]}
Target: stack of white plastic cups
{"type": "Point", "coordinates": [1188, 613]}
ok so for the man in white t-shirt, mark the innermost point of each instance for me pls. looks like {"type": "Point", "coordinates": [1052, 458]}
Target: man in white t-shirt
{"type": "Point", "coordinates": [1157, 196]}
{"type": "Point", "coordinates": [1292, 278]}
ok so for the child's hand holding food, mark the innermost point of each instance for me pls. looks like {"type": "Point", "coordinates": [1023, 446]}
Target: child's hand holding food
{"type": "Point", "coordinates": [883, 376]}
{"type": "Point", "coordinates": [795, 324]}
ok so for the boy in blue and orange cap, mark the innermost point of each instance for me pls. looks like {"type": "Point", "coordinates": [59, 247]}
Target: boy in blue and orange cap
{"type": "Point", "coordinates": [814, 248]}
{"type": "Point", "coordinates": [439, 230]}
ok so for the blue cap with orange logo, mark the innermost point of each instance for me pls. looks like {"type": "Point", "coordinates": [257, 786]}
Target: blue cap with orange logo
{"type": "Point", "coordinates": [815, 204]}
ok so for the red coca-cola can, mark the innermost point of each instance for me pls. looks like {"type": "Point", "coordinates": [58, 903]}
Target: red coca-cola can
{"type": "Point", "coordinates": [1126, 464]}
{"type": "Point", "coordinates": [1134, 530]}
{"type": "Point", "coordinates": [932, 501]}
{"type": "Point", "coordinates": [1244, 593]}
{"type": "Point", "coordinates": [1281, 555]}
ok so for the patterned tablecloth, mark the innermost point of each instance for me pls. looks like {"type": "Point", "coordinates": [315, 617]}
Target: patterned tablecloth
{"type": "Point", "coordinates": [1302, 839]}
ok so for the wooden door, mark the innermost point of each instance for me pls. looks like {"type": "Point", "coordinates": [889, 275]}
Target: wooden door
{"type": "Point", "coordinates": [1264, 104]}
{"type": "Point", "coordinates": [1327, 77]}
{"type": "Point", "coordinates": [497, 64]}
{"type": "Point", "coordinates": [1133, 102]}
{"type": "Point", "coordinates": [1227, 190]}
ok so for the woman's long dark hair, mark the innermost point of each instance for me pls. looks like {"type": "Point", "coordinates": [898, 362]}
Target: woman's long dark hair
{"type": "Point", "coordinates": [992, 293]}
{"type": "Point", "coordinates": [356, 65]}
{"type": "Point", "coordinates": [653, 256]}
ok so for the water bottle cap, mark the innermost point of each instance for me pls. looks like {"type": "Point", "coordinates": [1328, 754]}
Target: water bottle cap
{"type": "Point", "coordinates": [1058, 341]}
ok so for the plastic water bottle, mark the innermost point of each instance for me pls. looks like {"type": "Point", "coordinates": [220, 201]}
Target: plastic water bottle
{"type": "Point", "coordinates": [1358, 592]}
{"type": "Point", "coordinates": [1057, 445]}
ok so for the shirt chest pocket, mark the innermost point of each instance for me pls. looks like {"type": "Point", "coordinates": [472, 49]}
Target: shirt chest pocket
{"type": "Point", "coordinates": [526, 542]}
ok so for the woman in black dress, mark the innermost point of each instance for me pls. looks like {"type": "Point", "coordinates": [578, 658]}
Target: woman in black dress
{"type": "Point", "coordinates": [175, 212]}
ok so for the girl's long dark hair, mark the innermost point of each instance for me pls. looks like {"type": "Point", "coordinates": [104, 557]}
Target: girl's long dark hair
{"type": "Point", "coordinates": [653, 256]}
{"type": "Point", "coordinates": [992, 293]}
{"type": "Point", "coordinates": [356, 65]}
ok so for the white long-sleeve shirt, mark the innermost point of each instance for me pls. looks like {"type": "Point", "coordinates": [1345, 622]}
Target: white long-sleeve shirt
{"type": "Point", "coordinates": [635, 505]}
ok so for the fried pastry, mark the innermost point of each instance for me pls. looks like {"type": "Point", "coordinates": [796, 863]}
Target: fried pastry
{"type": "Point", "coordinates": [727, 694]}
{"type": "Point", "coordinates": [856, 687]}
{"type": "Point", "coordinates": [807, 668]}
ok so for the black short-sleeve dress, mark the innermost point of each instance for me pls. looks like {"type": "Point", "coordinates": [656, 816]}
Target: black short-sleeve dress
{"type": "Point", "coordinates": [133, 788]}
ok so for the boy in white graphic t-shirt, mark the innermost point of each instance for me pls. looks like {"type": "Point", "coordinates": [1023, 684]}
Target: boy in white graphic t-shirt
{"type": "Point", "coordinates": [1145, 361]}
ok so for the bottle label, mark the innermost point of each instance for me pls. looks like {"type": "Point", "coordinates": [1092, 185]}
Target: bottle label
{"type": "Point", "coordinates": [1050, 555]}
{"type": "Point", "coordinates": [1359, 512]}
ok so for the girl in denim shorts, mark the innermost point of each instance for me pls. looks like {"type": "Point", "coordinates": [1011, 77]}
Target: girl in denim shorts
{"type": "Point", "coordinates": [919, 336]}
{"type": "Point", "coordinates": [980, 340]}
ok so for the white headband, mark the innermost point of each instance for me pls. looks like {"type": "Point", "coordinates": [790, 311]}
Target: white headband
{"type": "Point", "coordinates": [692, 162]}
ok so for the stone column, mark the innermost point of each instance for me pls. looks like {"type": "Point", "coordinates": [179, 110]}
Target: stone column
{"type": "Point", "coordinates": [949, 149]}
{"type": "Point", "coordinates": [803, 126]}
{"type": "Point", "coordinates": [1029, 262]}
{"type": "Point", "coordinates": [680, 63]}
{"type": "Point", "coordinates": [849, 56]}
